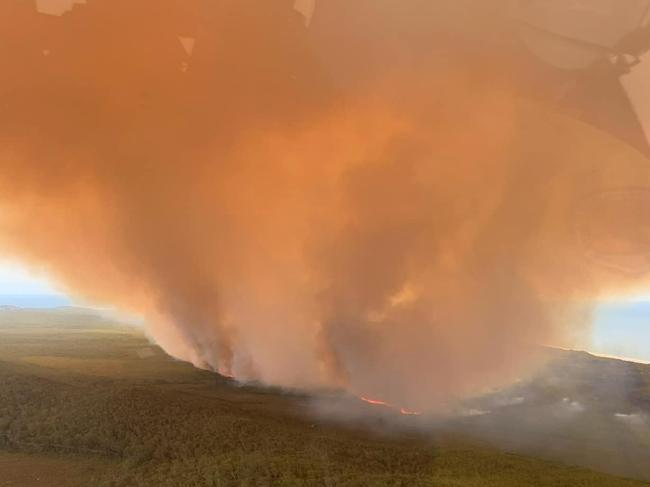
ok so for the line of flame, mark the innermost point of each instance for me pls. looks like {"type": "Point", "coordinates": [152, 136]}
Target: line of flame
{"type": "Point", "coordinates": [377, 402]}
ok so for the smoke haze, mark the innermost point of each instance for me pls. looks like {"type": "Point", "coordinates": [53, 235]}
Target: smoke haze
{"type": "Point", "coordinates": [362, 198]}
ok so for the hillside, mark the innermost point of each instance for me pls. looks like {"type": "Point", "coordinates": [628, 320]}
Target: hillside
{"type": "Point", "coordinates": [84, 401]}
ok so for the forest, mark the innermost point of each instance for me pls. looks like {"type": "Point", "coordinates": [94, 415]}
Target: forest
{"type": "Point", "coordinates": [78, 387]}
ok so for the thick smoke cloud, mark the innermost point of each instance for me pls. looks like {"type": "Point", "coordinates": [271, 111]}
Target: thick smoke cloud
{"type": "Point", "coordinates": [364, 198]}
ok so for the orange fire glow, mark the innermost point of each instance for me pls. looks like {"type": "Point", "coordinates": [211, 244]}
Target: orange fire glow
{"type": "Point", "coordinates": [377, 402]}
{"type": "Point", "coordinates": [407, 412]}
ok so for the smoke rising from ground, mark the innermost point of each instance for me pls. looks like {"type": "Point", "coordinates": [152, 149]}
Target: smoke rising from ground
{"type": "Point", "coordinates": [363, 200]}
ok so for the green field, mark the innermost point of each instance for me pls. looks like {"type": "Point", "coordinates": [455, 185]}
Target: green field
{"type": "Point", "coordinates": [85, 402]}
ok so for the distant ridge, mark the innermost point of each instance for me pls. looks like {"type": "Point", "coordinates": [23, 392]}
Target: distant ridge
{"type": "Point", "coordinates": [34, 301]}
{"type": "Point", "coordinates": [9, 307]}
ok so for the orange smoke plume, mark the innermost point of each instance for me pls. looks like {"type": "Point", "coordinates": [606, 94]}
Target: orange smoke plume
{"type": "Point", "coordinates": [358, 200]}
